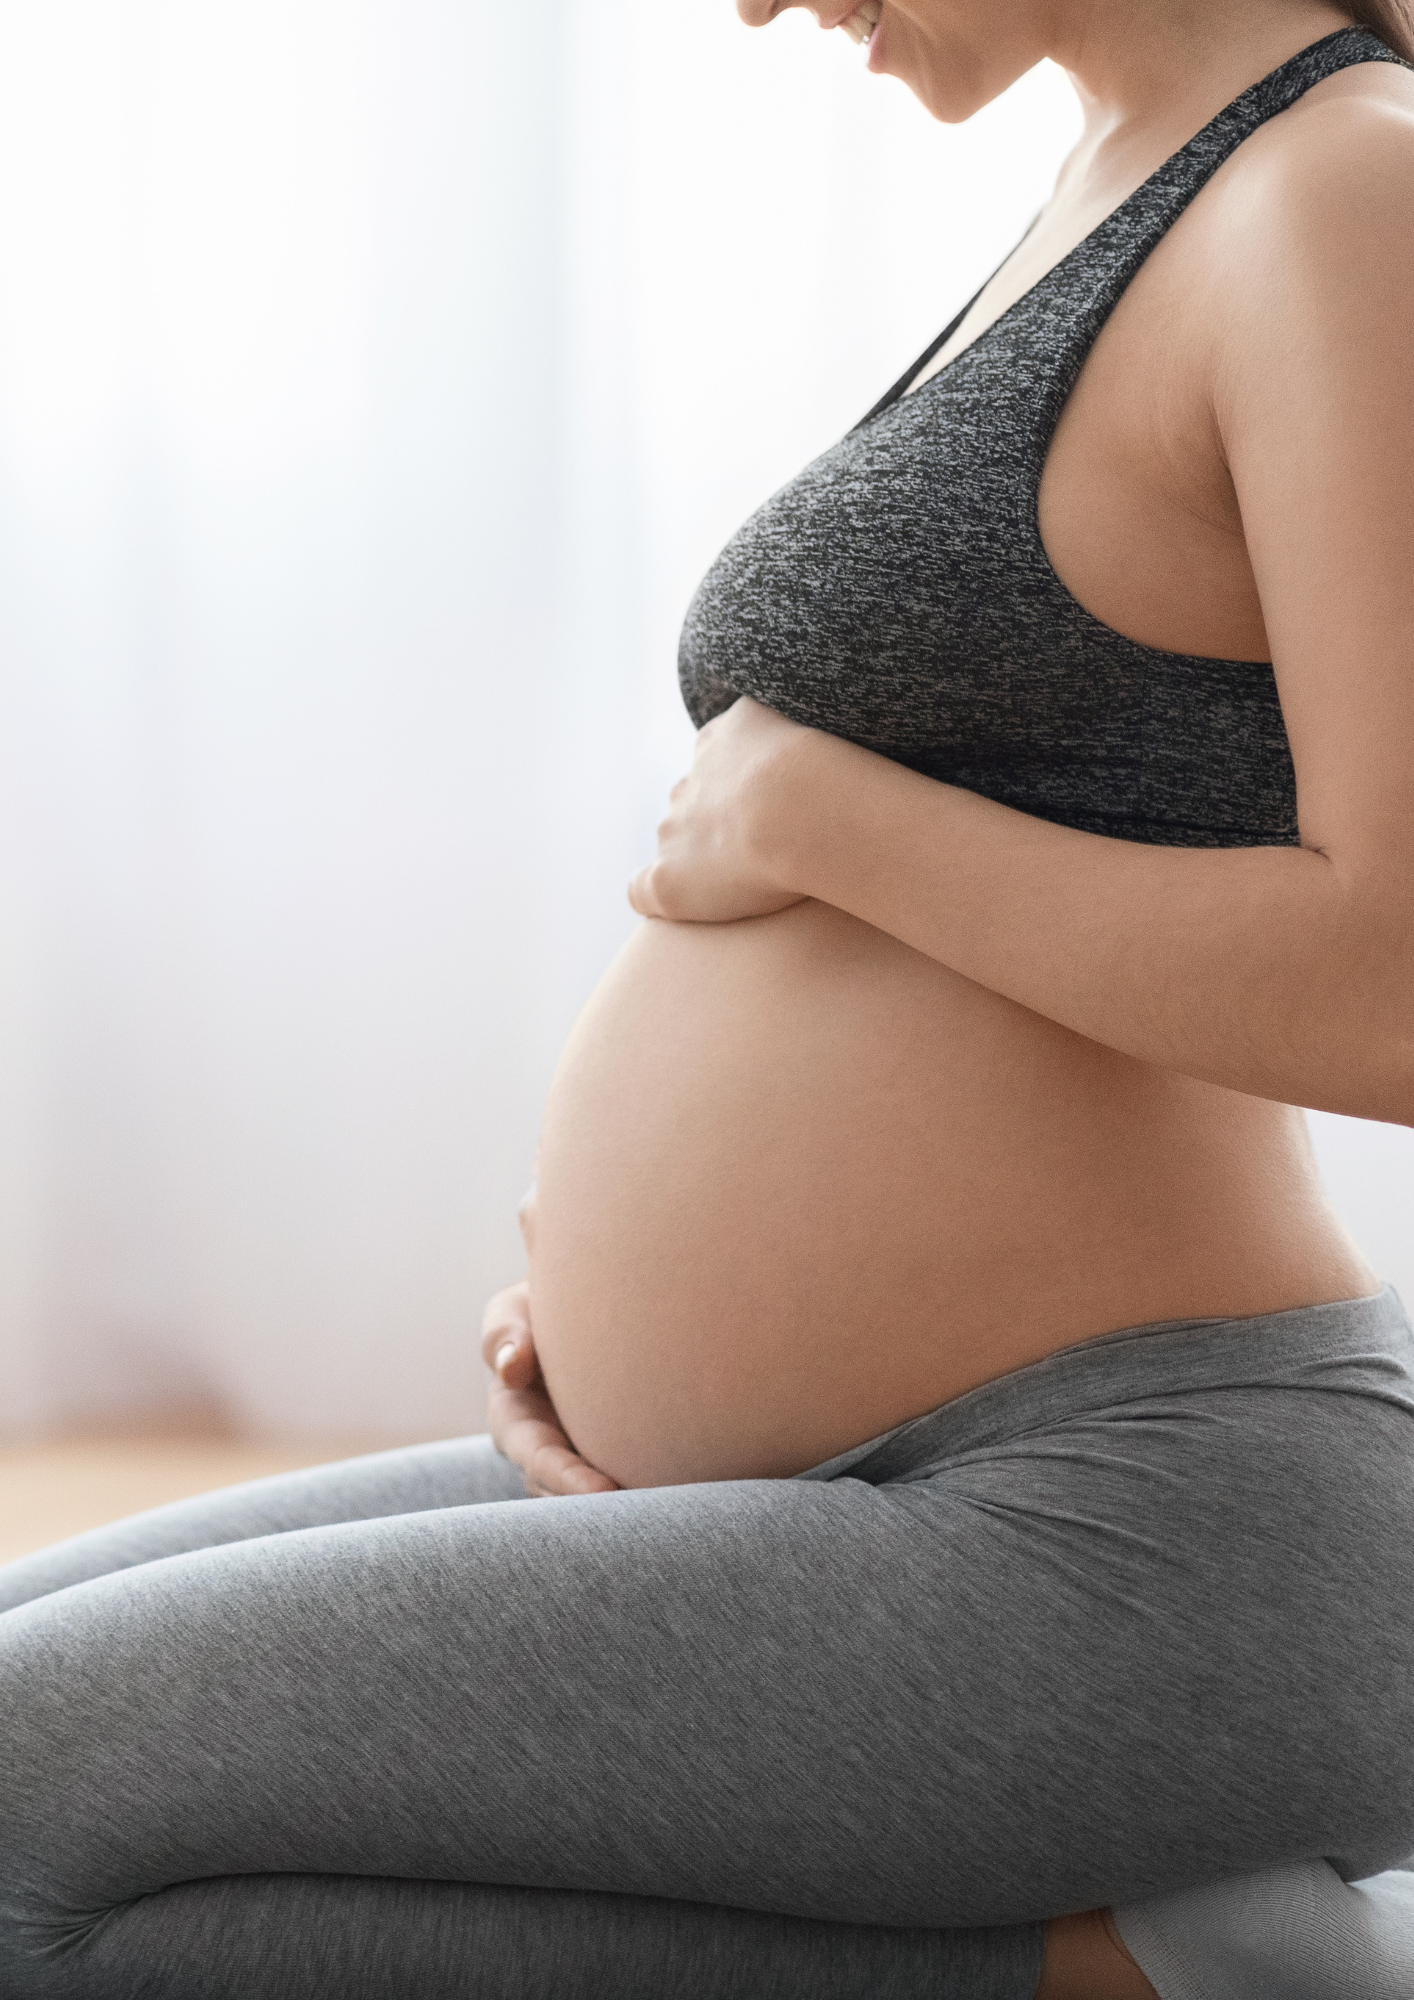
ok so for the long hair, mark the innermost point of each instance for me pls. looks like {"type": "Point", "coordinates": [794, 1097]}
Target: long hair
{"type": "Point", "coordinates": [1391, 20]}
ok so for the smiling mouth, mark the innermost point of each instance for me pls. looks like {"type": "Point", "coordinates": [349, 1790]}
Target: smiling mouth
{"type": "Point", "coordinates": [863, 21]}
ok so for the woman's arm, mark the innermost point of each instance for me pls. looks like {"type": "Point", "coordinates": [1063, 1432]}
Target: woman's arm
{"type": "Point", "coordinates": [1269, 970]}
{"type": "Point", "coordinates": [1284, 972]}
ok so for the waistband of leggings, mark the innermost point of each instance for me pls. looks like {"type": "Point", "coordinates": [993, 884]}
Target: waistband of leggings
{"type": "Point", "coordinates": [1359, 1346]}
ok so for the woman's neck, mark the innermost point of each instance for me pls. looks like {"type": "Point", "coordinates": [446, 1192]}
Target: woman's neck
{"type": "Point", "coordinates": [1149, 76]}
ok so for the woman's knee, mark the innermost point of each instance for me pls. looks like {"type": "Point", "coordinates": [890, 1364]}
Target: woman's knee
{"type": "Point", "coordinates": [49, 1897]}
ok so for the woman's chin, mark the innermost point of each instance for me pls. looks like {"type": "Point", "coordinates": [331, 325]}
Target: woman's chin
{"type": "Point", "coordinates": [951, 87]}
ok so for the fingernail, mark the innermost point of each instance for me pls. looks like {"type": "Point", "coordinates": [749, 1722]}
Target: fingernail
{"type": "Point", "coordinates": [504, 1355]}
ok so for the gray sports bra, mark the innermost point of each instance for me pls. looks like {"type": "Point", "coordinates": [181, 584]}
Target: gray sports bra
{"type": "Point", "coordinates": [897, 592]}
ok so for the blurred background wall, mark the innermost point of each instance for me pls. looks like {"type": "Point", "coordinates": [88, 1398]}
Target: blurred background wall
{"type": "Point", "coordinates": [376, 380]}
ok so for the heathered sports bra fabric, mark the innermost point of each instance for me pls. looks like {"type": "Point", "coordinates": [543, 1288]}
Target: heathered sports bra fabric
{"type": "Point", "coordinates": [897, 592]}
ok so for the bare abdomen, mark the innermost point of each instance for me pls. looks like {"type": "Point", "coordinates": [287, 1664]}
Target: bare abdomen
{"type": "Point", "coordinates": [798, 1183]}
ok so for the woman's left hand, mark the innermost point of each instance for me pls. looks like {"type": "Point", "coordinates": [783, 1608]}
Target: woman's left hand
{"type": "Point", "coordinates": [715, 848]}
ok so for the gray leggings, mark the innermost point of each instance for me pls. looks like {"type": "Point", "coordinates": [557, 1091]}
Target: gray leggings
{"type": "Point", "coordinates": [1136, 1617]}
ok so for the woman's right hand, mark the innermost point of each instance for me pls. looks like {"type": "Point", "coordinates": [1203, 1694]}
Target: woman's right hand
{"type": "Point", "coordinates": [525, 1427]}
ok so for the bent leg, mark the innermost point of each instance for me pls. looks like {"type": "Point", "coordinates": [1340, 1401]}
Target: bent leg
{"type": "Point", "coordinates": [460, 1472]}
{"type": "Point", "coordinates": [1098, 1655]}
{"type": "Point", "coordinates": [689, 1696]}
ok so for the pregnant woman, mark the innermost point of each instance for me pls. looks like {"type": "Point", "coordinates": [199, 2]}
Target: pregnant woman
{"type": "Point", "coordinates": [965, 1475]}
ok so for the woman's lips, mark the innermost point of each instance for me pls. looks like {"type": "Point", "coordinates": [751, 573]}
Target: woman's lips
{"type": "Point", "coordinates": [860, 24]}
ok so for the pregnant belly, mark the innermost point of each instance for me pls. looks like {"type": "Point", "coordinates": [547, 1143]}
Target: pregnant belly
{"type": "Point", "coordinates": [798, 1183]}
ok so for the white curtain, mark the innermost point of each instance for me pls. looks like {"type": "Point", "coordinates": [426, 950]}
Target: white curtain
{"type": "Point", "coordinates": [376, 380]}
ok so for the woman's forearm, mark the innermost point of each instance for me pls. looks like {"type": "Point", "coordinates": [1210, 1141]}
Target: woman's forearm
{"type": "Point", "coordinates": [1277, 971]}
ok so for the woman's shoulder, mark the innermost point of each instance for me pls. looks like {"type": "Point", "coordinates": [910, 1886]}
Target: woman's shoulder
{"type": "Point", "coordinates": [1338, 165]}
{"type": "Point", "coordinates": [1311, 226]}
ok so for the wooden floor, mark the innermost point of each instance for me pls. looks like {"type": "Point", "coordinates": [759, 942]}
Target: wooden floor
{"type": "Point", "coordinates": [52, 1490]}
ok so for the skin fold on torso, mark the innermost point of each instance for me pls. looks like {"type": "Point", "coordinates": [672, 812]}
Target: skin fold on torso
{"type": "Point", "coordinates": [797, 1182]}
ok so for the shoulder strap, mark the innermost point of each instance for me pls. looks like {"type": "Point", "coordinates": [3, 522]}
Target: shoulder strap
{"type": "Point", "coordinates": [911, 373]}
{"type": "Point", "coordinates": [1112, 253]}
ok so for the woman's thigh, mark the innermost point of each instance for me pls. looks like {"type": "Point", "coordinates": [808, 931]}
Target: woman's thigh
{"type": "Point", "coordinates": [1084, 1662]}
{"type": "Point", "coordinates": [460, 1472]}
{"type": "Point", "coordinates": [770, 1695]}
{"type": "Point", "coordinates": [1060, 1675]}
{"type": "Point", "coordinates": [318, 1765]}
